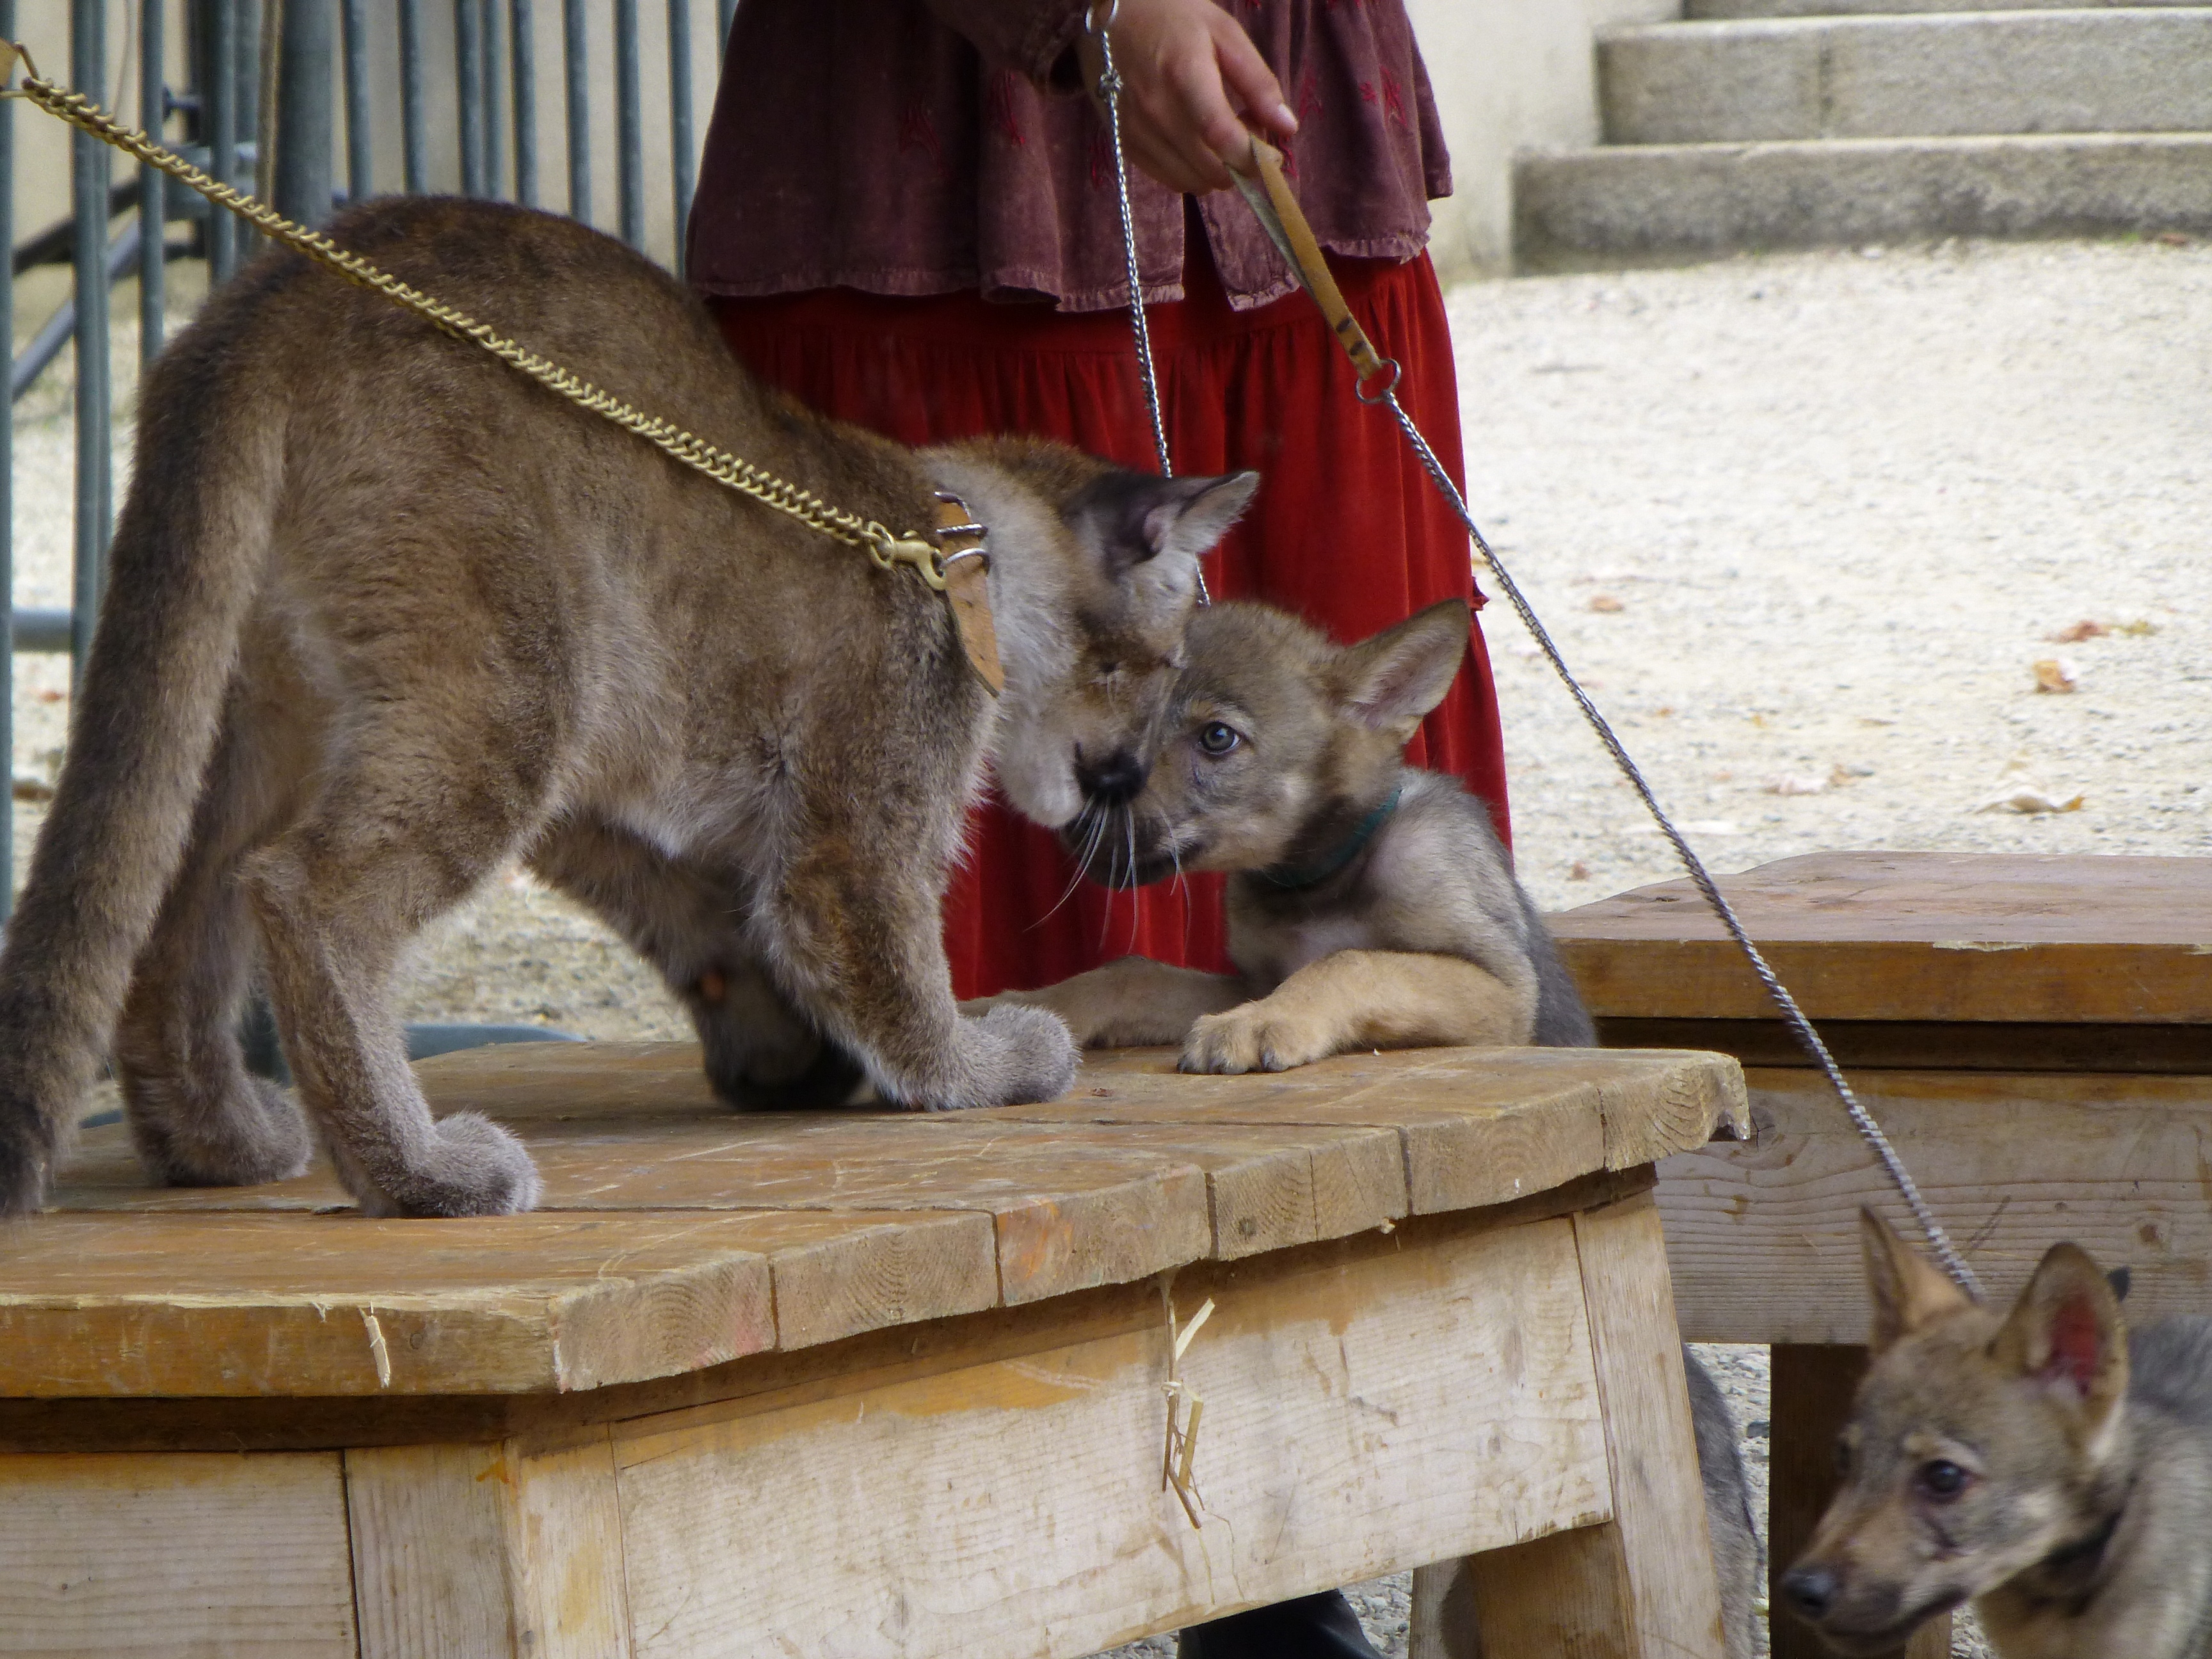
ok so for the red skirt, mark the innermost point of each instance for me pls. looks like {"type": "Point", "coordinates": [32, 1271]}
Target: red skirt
{"type": "Point", "coordinates": [1346, 530]}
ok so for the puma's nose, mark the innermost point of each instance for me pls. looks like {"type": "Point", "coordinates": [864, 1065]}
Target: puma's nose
{"type": "Point", "coordinates": [1111, 781]}
{"type": "Point", "coordinates": [1810, 1591]}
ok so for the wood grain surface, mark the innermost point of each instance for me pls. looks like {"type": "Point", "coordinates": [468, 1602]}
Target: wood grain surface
{"type": "Point", "coordinates": [1913, 936]}
{"type": "Point", "coordinates": [1762, 1236]}
{"type": "Point", "coordinates": [676, 1235]}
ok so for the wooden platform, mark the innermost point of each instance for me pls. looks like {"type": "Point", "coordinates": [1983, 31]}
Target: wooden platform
{"type": "Point", "coordinates": [869, 1383]}
{"type": "Point", "coordinates": [2034, 1033]}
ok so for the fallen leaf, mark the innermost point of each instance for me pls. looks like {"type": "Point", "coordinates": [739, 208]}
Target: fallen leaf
{"type": "Point", "coordinates": [50, 695]}
{"type": "Point", "coordinates": [2084, 630]}
{"type": "Point", "coordinates": [1663, 712]}
{"type": "Point", "coordinates": [1578, 871]}
{"type": "Point", "coordinates": [1809, 783]}
{"type": "Point", "coordinates": [1605, 602]}
{"type": "Point", "coordinates": [2056, 674]}
{"type": "Point", "coordinates": [2172, 239]}
{"type": "Point", "coordinates": [31, 789]}
{"type": "Point", "coordinates": [2019, 799]}
{"type": "Point", "coordinates": [2139, 627]}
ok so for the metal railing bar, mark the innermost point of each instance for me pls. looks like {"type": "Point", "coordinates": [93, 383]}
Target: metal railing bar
{"type": "Point", "coordinates": [522, 63]}
{"type": "Point", "coordinates": [303, 167]}
{"type": "Point", "coordinates": [58, 330]}
{"type": "Point", "coordinates": [629, 138]}
{"type": "Point", "coordinates": [94, 427]}
{"type": "Point", "coordinates": [219, 106]}
{"type": "Point", "coordinates": [361, 146]}
{"type": "Point", "coordinates": [576, 69]}
{"type": "Point", "coordinates": [37, 630]}
{"type": "Point", "coordinates": [152, 200]}
{"type": "Point", "coordinates": [680, 153]}
{"type": "Point", "coordinates": [416, 173]}
{"type": "Point", "coordinates": [493, 141]}
{"type": "Point", "coordinates": [8, 489]}
{"type": "Point", "coordinates": [726, 12]}
{"type": "Point", "coordinates": [468, 76]}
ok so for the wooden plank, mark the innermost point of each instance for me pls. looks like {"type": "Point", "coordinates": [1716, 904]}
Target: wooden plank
{"type": "Point", "coordinates": [1914, 937]}
{"type": "Point", "coordinates": [1932, 1045]}
{"type": "Point", "coordinates": [1811, 1402]}
{"type": "Point", "coordinates": [1762, 1236]}
{"type": "Point", "coordinates": [925, 1348]}
{"type": "Point", "coordinates": [214, 1303]}
{"type": "Point", "coordinates": [1659, 1501]}
{"type": "Point", "coordinates": [1568, 1594]}
{"type": "Point", "coordinates": [512, 1548]}
{"type": "Point", "coordinates": [1366, 1409]}
{"type": "Point", "coordinates": [177, 1556]}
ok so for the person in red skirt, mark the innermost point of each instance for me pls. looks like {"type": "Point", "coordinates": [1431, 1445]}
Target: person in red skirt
{"type": "Point", "coordinates": [907, 217]}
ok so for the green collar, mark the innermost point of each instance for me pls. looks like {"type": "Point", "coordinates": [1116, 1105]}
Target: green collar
{"type": "Point", "coordinates": [1290, 877]}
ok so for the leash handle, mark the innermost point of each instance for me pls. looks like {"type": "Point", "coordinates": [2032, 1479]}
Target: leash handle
{"type": "Point", "coordinates": [1270, 195]}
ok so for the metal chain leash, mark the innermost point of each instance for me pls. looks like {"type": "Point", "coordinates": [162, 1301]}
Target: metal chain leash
{"type": "Point", "coordinates": [1097, 21]}
{"type": "Point", "coordinates": [1109, 87]}
{"type": "Point", "coordinates": [886, 549]}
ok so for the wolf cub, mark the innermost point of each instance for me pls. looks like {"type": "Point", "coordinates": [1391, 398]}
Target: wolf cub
{"type": "Point", "coordinates": [1370, 905]}
{"type": "Point", "coordinates": [2046, 1464]}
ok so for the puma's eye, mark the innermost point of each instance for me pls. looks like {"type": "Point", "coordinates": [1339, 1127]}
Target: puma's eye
{"type": "Point", "coordinates": [1216, 739]}
{"type": "Point", "coordinates": [1942, 1481]}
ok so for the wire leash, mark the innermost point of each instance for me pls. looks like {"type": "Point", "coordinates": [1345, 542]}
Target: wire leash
{"type": "Point", "coordinates": [1385, 395]}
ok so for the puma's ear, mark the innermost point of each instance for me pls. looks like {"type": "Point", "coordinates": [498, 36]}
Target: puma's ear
{"type": "Point", "coordinates": [2066, 1332]}
{"type": "Point", "coordinates": [1388, 682]}
{"type": "Point", "coordinates": [1908, 1291]}
{"type": "Point", "coordinates": [1132, 518]}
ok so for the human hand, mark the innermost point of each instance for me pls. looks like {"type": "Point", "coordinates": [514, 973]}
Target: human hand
{"type": "Point", "coordinates": [1193, 87]}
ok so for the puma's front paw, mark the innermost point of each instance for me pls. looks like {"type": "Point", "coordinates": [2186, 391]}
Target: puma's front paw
{"type": "Point", "coordinates": [1022, 1055]}
{"type": "Point", "coordinates": [472, 1167]}
{"type": "Point", "coordinates": [1253, 1038]}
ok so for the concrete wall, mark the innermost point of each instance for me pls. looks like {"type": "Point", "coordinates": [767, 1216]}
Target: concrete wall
{"type": "Point", "coordinates": [1509, 75]}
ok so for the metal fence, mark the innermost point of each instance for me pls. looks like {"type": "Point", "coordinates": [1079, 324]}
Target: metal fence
{"type": "Point", "coordinates": [268, 89]}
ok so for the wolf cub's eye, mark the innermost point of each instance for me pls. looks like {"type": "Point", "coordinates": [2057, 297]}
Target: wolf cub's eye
{"type": "Point", "coordinates": [1216, 739]}
{"type": "Point", "coordinates": [1940, 1480]}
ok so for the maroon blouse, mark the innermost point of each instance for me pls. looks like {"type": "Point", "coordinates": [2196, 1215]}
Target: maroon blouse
{"type": "Point", "coordinates": [905, 148]}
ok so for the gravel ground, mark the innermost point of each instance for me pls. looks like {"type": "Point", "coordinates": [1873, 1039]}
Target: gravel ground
{"type": "Point", "coordinates": [1805, 525]}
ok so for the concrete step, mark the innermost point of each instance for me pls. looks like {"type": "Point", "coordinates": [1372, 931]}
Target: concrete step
{"type": "Point", "coordinates": [1932, 75]}
{"type": "Point", "coordinates": [1725, 8]}
{"type": "Point", "coordinates": [1624, 204]}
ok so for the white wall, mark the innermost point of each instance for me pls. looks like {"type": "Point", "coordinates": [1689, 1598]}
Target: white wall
{"type": "Point", "coordinates": [1508, 75]}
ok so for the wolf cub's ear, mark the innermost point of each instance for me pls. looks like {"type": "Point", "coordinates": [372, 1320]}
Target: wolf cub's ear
{"type": "Point", "coordinates": [1908, 1291]}
{"type": "Point", "coordinates": [2067, 1331]}
{"type": "Point", "coordinates": [1388, 682]}
{"type": "Point", "coordinates": [1135, 517]}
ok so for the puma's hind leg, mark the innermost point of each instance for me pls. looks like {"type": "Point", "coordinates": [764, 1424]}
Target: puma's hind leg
{"type": "Point", "coordinates": [417, 806]}
{"type": "Point", "coordinates": [689, 921]}
{"type": "Point", "coordinates": [1134, 1003]}
{"type": "Point", "coordinates": [198, 1117]}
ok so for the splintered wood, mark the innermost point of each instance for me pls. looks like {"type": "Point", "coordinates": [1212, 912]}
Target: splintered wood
{"type": "Point", "coordinates": [1182, 1435]}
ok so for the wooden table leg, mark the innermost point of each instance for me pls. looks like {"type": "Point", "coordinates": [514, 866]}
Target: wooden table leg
{"type": "Point", "coordinates": [1812, 1400]}
{"type": "Point", "coordinates": [1641, 1585]}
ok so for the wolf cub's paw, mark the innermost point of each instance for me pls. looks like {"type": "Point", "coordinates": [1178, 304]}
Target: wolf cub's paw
{"type": "Point", "coordinates": [473, 1168]}
{"type": "Point", "coordinates": [1252, 1038]}
{"type": "Point", "coordinates": [1026, 1055]}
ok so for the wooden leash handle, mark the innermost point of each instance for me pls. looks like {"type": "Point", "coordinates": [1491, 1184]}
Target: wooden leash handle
{"type": "Point", "coordinates": [1313, 270]}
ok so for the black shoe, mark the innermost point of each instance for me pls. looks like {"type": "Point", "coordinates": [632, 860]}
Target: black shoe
{"type": "Point", "coordinates": [1321, 1626]}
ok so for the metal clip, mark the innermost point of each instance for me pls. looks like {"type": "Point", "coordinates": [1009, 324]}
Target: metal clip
{"type": "Point", "coordinates": [889, 550]}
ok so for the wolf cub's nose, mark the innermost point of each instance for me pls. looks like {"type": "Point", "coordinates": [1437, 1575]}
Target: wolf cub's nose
{"type": "Point", "coordinates": [1810, 1591]}
{"type": "Point", "coordinates": [1112, 780]}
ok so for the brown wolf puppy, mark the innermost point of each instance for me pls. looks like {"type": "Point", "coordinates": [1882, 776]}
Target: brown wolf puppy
{"type": "Point", "coordinates": [2043, 1464]}
{"type": "Point", "coordinates": [1370, 906]}
{"type": "Point", "coordinates": [385, 614]}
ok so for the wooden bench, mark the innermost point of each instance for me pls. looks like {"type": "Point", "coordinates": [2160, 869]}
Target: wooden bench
{"type": "Point", "coordinates": [860, 1384]}
{"type": "Point", "coordinates": [2034, 1033]}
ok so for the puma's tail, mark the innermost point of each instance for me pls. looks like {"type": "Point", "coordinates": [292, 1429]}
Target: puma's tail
{"type": "Point", "coordinates": [191, 543]}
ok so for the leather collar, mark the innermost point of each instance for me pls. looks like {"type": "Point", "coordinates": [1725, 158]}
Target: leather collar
{"type": "Point", "coordinates": [1291, 877]}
